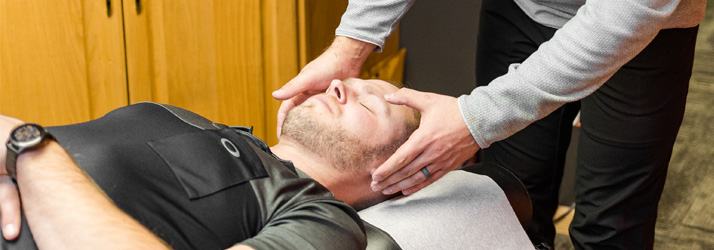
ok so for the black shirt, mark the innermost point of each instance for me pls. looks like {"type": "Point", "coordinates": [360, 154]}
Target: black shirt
{"type": "Point", "coordinates": [201, 185]}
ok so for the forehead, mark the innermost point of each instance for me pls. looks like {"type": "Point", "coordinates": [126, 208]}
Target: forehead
{"type": "Point", "coordinates": [378, 87]}
{"type": "Point", "coordinates": [381, 88]}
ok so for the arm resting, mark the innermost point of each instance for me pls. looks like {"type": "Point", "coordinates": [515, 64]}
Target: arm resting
{"type": "Point", "coordinates": [65, 209]}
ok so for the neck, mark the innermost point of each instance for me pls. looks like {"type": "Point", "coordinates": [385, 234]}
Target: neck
{"type": "Point", "coordinates": [351, 188]}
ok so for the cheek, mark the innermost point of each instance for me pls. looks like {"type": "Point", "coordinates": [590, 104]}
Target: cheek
{"type": "Point", "coordinates": [360, 124]}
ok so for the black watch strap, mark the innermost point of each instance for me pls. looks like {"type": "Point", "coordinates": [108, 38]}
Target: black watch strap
{"type": "Point", "coordinates": [23, 138]}
{"type": "Point", "coordinates": [10, 162]}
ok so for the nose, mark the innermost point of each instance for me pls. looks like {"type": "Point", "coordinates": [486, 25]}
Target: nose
{"type": "Point", "coordinates": [337, 90]}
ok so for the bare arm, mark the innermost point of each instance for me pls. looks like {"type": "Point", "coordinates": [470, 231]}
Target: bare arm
{"type": "Point", "coordinates": [240, 247]}
{"type": "Point", "coordinates": [65, 208]}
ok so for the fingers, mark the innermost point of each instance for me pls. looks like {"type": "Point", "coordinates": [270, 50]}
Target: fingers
{"type": "Point", "coordinates": [441, 142]}
{"type": "Point", "coordinates": [9, 208]}
{"type": "Point", "coordinates": [314, 78]}
{"type": "Point", "coordinates": [403, 177]}
{"type": "Point", "coordinates": [420, 185]}
{"type": "Point", "coordinates": [411, 179]}
{"type": "Point", "coordinates": [287, 105]}
{"type": "Point", "coordinates": [409, 97]}
{"type": "Point", "coordinates": [282, 113]}
{"type": "Point", "coordinates": [403, 156]}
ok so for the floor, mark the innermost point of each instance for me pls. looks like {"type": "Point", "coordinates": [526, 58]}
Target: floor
{"type": "Point", "coordinates": [686, 211]}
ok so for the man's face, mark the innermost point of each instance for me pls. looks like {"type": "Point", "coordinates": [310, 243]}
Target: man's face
{"type": "Point", "coordinates": [350, 123]}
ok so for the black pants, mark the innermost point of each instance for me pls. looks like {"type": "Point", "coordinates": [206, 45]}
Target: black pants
{"type": "Point", "coordinates": [629, 126]}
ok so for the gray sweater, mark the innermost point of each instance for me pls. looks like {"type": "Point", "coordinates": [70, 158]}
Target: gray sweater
{"type": "Point", "coordinates": [595, 38]}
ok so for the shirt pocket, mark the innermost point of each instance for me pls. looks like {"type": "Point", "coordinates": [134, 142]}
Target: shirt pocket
{"type": "Point", "coordinates": [208, 161]}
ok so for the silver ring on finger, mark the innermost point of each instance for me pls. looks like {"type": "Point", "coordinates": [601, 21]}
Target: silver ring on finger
{"type": "Point", "coordinates": [426, 173]}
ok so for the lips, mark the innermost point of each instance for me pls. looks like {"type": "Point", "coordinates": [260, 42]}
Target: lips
{"type": "Point", "coordinates": [326, 101]}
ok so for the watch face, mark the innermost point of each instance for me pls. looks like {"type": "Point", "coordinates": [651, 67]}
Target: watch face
{"type": "Point", "coordinates": [26, 135]}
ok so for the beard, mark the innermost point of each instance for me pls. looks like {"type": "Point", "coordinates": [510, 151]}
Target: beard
{"type": "Point", "coordinates": [331, 142]}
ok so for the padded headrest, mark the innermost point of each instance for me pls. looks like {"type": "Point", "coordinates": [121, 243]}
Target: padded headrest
{"type": "Point", "coordinates": [514, 189]}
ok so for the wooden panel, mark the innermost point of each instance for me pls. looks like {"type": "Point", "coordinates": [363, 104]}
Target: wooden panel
{"type": "Point", "coordinates": [280, 46]}
{"type": "Point", "coordinates": [191, 56]}
{"type": "Point", "coordinates": [50, 63]}
{"type": "Point", "coordinates": [239, 41]}
{"type": "Point", "coordinates": [390, 50]}
{"type": "Point", "coordinates": [106, 64]}
{"type": "Point", "coordinates": [390, 69]}
{"type": "Point", "coordinates": [318, 20]}
{"type": "Point", "coordinates": [145, 63]}
{"type": "Point", "coordinates": [205, 56]}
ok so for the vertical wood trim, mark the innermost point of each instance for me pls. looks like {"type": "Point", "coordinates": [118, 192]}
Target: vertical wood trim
{"type": "Point", "coordinates": [136, 37]}
{"type": "Point", "coordinates": [191, 45]}
{"type": "Point", "coordinates": [302, 33]}
{"type": "Point", "coordinates": [280, 53]}
{"type": "Point", "coordinates": [240, 64]}
{"type": "Point", "coordinates": [146, 52]}
{"type": "Point", "coordinates": [104, 50]}
{"type": "Point", "coordinates": [157, 52]}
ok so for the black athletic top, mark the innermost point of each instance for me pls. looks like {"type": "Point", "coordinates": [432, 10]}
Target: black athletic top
{"type": "Point", "coordinates": [201, 185]}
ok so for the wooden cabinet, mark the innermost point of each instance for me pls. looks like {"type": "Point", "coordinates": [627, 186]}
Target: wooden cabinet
{"type": "Point", "coordinates": [71, 61]}
{"type": "Point", "coordinates": [218, 58]}
{"type": "Point", "coordinates": [60, 61]}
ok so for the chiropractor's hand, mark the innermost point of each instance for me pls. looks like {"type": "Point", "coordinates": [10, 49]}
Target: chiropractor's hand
{"type": "Point", "coordinates": [9, 196]}
{"type": "Point", "coordinates": [343, 59]}
{"type": "Point", "coordinates": [314, 78]}
{"type": "Point", "coordinates": [441, 143]}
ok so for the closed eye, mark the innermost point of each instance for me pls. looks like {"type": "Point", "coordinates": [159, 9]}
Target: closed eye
{"type": "Point", "coordinates": [365, 107]}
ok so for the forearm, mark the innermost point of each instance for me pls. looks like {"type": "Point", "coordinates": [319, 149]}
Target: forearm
{"type": "Point", "coordinates": [65, 209]}
{"type": "Point", "coordinates": [350, 51]}
{"type": "Point", "coordinates": [580, 57]}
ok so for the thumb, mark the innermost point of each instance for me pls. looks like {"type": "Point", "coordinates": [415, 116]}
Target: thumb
{"type": "Point", "coordinates": [408, 97]}
{"type": "Point", "coordinates": [290, 89]}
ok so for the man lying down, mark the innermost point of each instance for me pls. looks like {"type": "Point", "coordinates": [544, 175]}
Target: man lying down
{"type": "Point", "coordinates": [188, 183]}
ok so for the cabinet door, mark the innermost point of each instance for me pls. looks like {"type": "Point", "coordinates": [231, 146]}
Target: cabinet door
{"type": "Point", "coordinates": [61, 61]}
{"type": "Point", "coordinates": [210, 57]}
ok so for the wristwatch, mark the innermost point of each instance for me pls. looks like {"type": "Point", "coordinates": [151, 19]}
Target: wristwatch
{"type": "Point", "coordinates": [25, 137]}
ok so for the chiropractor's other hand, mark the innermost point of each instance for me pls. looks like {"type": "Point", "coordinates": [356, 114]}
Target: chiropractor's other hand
{"type": "Point", "coordinates": [441, 143]}
{"type": "Point", "coordinates": [343, 59]}
{"type": "Point", "coordinates": [313, 79]}
{"type": "Point", "coordinates": [9, 197]}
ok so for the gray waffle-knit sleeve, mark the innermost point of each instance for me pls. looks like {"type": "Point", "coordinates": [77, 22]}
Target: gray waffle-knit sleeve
{"type": "Point", "coordinates": [372, 21]}
{"type": "Point", "coordinates": [580, 57]}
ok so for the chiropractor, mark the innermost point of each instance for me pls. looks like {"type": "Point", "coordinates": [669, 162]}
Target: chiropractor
{"type": "Point", "coordinates": [593, 41]}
